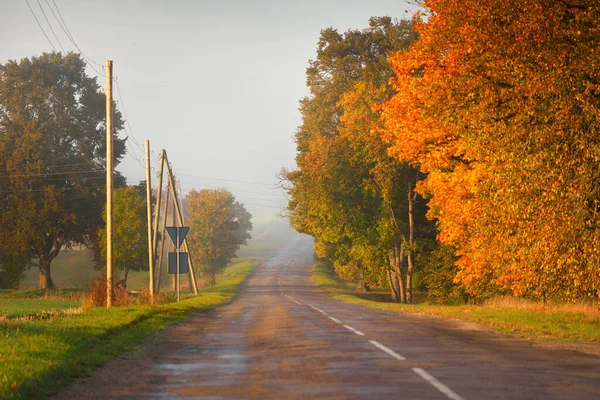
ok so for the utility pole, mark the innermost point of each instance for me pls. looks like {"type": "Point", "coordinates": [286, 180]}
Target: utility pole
{"type": "Point", "coordinates": [149, 213]}
{"type": "Point", "coordinates": [180, 220]}
{"type": "Point", "coordinates": [157, 212]}
{"type": "Point", "coordinates": [173, 223]}
{"type": "Point", "coordinates": [182, 223]}
{"type": "Point", "coordinates": [109, 186]}
{"type": "Point", "coordinates": [162, 241]}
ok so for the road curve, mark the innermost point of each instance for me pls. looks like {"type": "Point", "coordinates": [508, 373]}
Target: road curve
{"type": "Point", "coordinates": [284, 339]}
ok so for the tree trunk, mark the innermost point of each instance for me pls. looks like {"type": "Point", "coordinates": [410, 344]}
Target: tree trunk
{"type": "Point", "coordinates": [125, 274]}
{"type": "Point", "coordinates": [362, 285]}
{"type": "Point", "coordinates": [399, 266]}
{"type": "Point", "coordinates": [46, 254]}
{"type": "Point", "coordinates": [44, 278]}
{"type": "Point", "coordinates": [409, 270]}
{"type": "Point", "coordinates": [394, 287]}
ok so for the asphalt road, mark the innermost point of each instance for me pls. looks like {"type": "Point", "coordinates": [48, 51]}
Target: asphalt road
{"type": "Point", "coordinates": [284, 339]}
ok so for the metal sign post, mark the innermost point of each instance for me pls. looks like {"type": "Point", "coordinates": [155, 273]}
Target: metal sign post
{"type": "Point", "coordinates": [178, 282]}
{"type": "Point", "coordinates": [178, 259]}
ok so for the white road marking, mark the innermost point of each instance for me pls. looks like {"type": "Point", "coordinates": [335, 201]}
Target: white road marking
{"type": "Point", "coordinates": [387, 350]}
{"type": "Point", "coordinates": [437, 384]}
{"type": "Point", "coordinates": [335, 320]}
{"type": "Point", "coordinates": [318, 309]}
{"type": "Point", "coordinates": [359, 333]}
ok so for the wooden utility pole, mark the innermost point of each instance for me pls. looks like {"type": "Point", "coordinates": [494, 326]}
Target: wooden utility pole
{"type": "Point", "coordinates": [149, 213]}
{"type": "Point", "coordinates": [109, 186]}
{"type": "Point", "coordinates": [180, 220]}
{"type": "Point", "coordinates": [182, 223]}
{"type": "Point", "coordinates": [158, 204]}
{"type": "Point", "coordinates": [162, 239]}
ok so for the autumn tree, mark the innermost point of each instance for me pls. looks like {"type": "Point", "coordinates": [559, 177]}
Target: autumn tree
{"type": "Point", "coordinates": [219, 225]}
{"type": "Point", "coordinates": [52, 156]}
{"type": "Point", "coordinates": [498, 103]}
{"type": "Point", "coordinates": [130, 231]}
{"type": "Point", "coordinates": [347, 192]}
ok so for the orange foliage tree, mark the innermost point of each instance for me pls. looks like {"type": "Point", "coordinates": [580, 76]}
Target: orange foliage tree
{"type": "Point", "coordinates": [499, 103]}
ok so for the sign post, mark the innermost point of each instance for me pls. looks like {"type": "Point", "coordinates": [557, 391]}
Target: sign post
{"type": "Point", "coordinates": [178, 261]}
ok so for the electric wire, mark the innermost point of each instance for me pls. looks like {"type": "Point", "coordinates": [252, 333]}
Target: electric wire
{"type": "Point", "coordinates": [237, 190]}
{"type": "Point", "coordinates": [50, 26]}
{"type": "Point", "coordinates": [129, 131]}
{"type": "Point", "coordinates": [65, 29]}
{"type": "Point", "coordinates": [230, 180]}
{"type": "Point", "coordinates": [59, 189]}
{"type": "Point", "coordinates": [40, 25]}
{"type": "Point", "coordinates": [50, 174]}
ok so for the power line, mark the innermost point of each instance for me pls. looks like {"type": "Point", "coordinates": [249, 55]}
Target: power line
{"type": "Point", "coordinates": [59, 189]}
{"type": "Point", "coordinates": [237, 190]}
{"type": "Point", "coordinates": [50, 26]}
{"type": "Point", "coordinates": [40, 25]}
{"type": "Point", "coordinates": [230, 180]}
{"type": "Point", "coordinates": [130, 135]}
{"type": "Point", "coordinates": [50, 174]}
{"type": "Point", "coordinates": [65, 29]}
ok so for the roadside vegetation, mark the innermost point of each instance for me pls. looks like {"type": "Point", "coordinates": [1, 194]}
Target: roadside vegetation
{"type": "Point", "coordinates": [41, 355]}
{"type": "Point", "coordinates": [569, 322]}
{"type": "Point", "coordinates": [456, 152]}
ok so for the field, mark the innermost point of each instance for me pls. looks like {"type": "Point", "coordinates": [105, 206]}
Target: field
{"type": "Point", "coordinates": [578, 323]}
{"type": "Point", "coordinates": [41, 355]}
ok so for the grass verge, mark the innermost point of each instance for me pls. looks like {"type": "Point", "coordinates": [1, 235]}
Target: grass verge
{"type": "Point", "coordinates": [40, 357]}
{"type": "Point", "coordinates": [569, 323]}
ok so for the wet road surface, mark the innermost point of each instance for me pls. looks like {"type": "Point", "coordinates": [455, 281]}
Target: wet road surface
{"type": "Point", "coordinates": [284, 339]}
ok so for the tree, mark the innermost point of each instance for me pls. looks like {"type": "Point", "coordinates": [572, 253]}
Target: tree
{"type": "Point", "coordinates": [218, 227]}
{"type": "Point", "coordinates": [498, 102]}
{"type": "Point", "coordinates": [12, 269]}
{"type": "Point", "coordinates": [130, 235]}
{"type": "Point", "coordinates": [347, 192]}
{"type": "Point", "coordinates": [52, 152]}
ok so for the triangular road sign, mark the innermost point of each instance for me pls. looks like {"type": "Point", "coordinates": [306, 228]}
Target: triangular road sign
{"type": "Point", "coordinates": [172, 231]}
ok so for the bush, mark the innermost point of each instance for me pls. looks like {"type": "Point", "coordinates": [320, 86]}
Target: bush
{"type": "Point", "coordinates": [439, 271]}
{"type": "Point", "coordinates": [96, 295]}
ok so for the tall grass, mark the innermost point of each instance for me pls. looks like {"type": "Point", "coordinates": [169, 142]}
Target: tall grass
{"type": "Point", "coordinates": [563, 322]}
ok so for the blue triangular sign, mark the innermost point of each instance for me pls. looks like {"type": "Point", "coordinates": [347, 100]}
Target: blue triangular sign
{"type": "Point", "coordinates": [183, 231]}
{"type": "Point", "coordinates": [172, 231]}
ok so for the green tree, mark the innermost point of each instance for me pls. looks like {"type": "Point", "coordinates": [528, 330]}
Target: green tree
{"type": "Point", "coordinates": [218, 227]}
{"type": "Point", "coordinates": [348, 193]}
{"type": "Point", "coordinates": [52, 156]}
{"type": "Point", "coordinates": [130, 235]}
{"type": "Point", "coordinates": [12, 269]}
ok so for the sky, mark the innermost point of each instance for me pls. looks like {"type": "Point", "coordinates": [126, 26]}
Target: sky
{"type": "Point", "coordinates": [217, 84]}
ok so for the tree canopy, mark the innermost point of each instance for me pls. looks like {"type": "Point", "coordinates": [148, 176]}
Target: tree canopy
{"type": "Point", "coordinates": [347, 192]}
{"type": "Point", "coordinates": [52, 156]}
{"type": "Point", "coordinates": [498, 102]}
{"type": "Point", "coordinates": [219, 225]}
{"type": "Point", "coordinates": [130, 235]}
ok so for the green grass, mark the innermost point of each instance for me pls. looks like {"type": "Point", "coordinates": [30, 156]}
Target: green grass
{"type": "Point", "coordinates": [15, 308]}
{"type": "Point", "coordinates": [570, 323]}
{"type": "Point", "coordinates": [39, 357]}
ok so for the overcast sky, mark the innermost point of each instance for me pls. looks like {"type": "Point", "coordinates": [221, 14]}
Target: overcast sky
{"type": "Point", "coordinates": [214, 83]}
